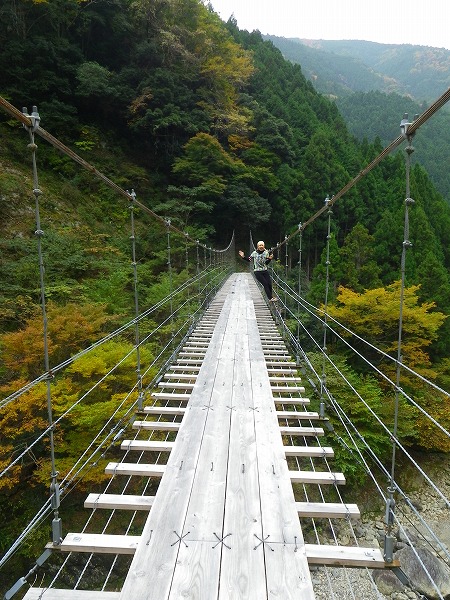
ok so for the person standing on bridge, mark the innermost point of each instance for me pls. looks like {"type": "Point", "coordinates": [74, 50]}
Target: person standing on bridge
{"type": "Point", "coordinates": [261, 258]}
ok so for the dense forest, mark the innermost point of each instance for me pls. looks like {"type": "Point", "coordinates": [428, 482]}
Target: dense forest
{"type": "Point", "coordinates": [374, 84]}
{"type": "Point", "coordinates": [341, 67]}
{"type": "Point", "coordinates": [215, 129]}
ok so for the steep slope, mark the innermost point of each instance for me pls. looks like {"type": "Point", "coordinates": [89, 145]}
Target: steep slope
{"type": "Point", "coordinates": [339, 67]}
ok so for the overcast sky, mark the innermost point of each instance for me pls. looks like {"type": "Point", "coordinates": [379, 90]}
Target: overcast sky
{"type": "Point", "coordinates": [422, 22]}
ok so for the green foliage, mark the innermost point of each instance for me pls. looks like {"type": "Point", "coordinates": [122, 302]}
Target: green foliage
{"type": "Point", "coordinates": [362, 420]}
{"type": "Point", "coordinates": [321, 287]}
{"type": "Point", "coordinates": [359, 269]}
{"type": "Point", "coordinates": [71, 327]}
{"type": "Point", "coordinates": [373, 315]}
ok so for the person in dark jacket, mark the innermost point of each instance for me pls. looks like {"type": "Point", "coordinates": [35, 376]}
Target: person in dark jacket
{"type": "Point", "coordinates": [261, 258]}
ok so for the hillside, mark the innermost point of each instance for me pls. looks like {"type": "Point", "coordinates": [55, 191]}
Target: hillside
{"type": "Point", "coordinates": [373, 85]}
{"type": "Point", "coordinates": [339, 67]}
{"type": "Point", "coordinates": [374, 115]}
{"type": "Point", "coordinates": [219, 132]}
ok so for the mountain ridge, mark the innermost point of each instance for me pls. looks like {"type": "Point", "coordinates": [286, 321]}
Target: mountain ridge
{"type": "Point", "coordinates": [340, 67]}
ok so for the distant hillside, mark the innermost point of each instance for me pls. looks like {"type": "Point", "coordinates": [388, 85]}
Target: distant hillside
{"type": "Point", "coordinates": [338, 68]}
{"type": "Point", "coordinates": [374, 84]}
{"type": "Point", "coordinates": [374, 115]}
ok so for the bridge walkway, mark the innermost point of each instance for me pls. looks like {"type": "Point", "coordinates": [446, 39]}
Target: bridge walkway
{"type": "Point", "coordinates": [224, 522]}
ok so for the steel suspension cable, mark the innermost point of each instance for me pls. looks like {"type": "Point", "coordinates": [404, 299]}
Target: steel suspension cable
{"type": "Point", "coordinates": [54, 485]}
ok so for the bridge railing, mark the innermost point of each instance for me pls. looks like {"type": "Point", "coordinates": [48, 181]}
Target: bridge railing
{"type": "Point", "coordinates": [74, 376]}
{"type": "Point", "coordinates": [388, 429]}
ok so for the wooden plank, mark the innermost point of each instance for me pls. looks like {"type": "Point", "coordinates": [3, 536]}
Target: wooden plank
{"type": "Point", "coordinates": [287, 570]}
{"type": "Point", "coordinates": [198, 562]}
{"type": "Point", "coordinates": [181, 376]}
{"type": "Point", "coordinates": [296, 414]}
{"type": "Point", "coordinates": [327, 510]}
{"type": "Point", "coordinates": [197, 571]}
{"type": "Point", "coordinates": [242, 569]}
{"type": "Point", "coordinates": [142, 469]}
{"type": "Point", "coordinates": [119, 501]}
{"type": "Point", "coordinates": [190, 361]}
{"type": "Point", "coordinates": [340, 556]}
{"type": "Point", "coordinates": [281, 390]}
{"type": "Point", "coordinates": [296, 431]}
{"type": "Point", "coordinates": [156, 425]}
{"type": "Point", "coordinates": [176, 385]}
{"type": "Point", "coordinates": [274, 346]}
{"type": "Point", "coordinates": [164, 410]}
{"type": "Point", "coordinates": [147, 445]}
{"type": "Point", "coordinates": [317, 477]}
{"type": "Point", "coordinates": [285, 379]}
{"type": "Point", "coordinates": [280, 363]}
{"type": "Point", "coordinates": [319, 451]}
{"type": "Point", "coordinates": [291, 401]}
{"type": "Point", "coordinates": [171, 396]}
{"type": "Point", "coordinates": [98, 543]}
{"type": "Point", "coordinates": [58, 594]}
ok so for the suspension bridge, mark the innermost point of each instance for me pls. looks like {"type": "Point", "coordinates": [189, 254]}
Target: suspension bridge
{"type": "Point", "coordinates": [221, 478]}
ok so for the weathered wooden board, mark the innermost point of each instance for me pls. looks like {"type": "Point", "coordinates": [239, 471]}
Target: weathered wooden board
{"type": "Point", "coordinates": [58, 594]}
{"type": "Point", "coordinates": [319, 451]}
{"type": "Point", "coordinates": [147, 445]}
{"type": "Point", "coordinates": [197, 570]}
{"type": "Point", "coordinates": [176, 385]}
{"type": "Point", "coordinates": [327, 510]}
{"type": "Point", "coordinates": [156, 425]}
{"type": "Point", "coordinates": [242, 569]}
{"type": "Point", "coordinates": [317, 477]}
{"type": "Point", "coordinates": [142, 469]}
{"type": "Point", "coordinates": [286, 566]}
{"type": "Point", "coordinates": [171, 396]}
{"type": "Point", "coordinates": [119, 501]}
{"type": "Point", "coordinates": [181, 376]}
{"type": "Point", "coordinates": [164, 410]}
{"type": "Point", "coordinates": [344, 556]}
{"type": "Point", "coordinates": [304, 431]}
{"type": "Point", "coordinates": [297, 414]}
{"type": "Point", "coordinates": [99, 543]}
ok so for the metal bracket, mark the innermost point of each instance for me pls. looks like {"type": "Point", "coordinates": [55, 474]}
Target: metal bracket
{"type": "Point", "coordinates": [401, 576]}
{"type": "Point", "coordinates": [23, 580]}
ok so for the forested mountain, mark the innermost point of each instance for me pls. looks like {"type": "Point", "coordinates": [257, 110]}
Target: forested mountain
{"type": "Point", "coordinates": [340, 67]}
{"type": "Point", "coordinates": [373, 85]}
{"type": "Point", "coordinates": [375, 115]}
{"type": "Point", "coordinates": [211, 126]}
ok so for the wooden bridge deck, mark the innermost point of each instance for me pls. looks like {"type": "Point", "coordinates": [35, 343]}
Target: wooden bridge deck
{"type": "Point", "coordinates": [224, 523]}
